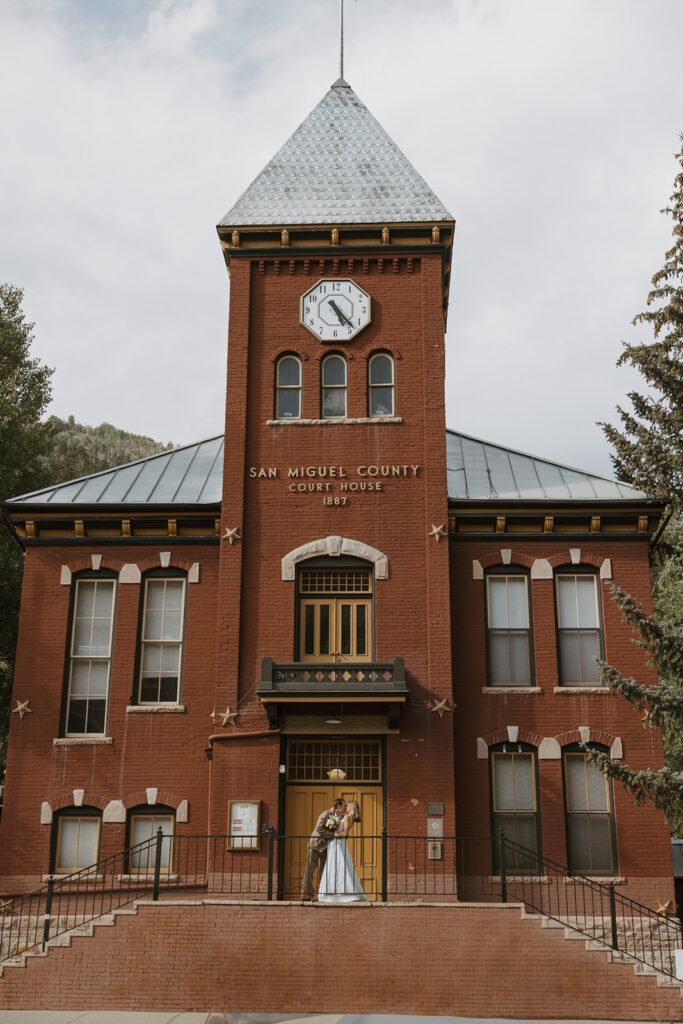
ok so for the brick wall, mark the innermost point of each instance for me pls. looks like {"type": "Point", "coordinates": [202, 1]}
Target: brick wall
{"type": "Point", "coordinates": [466, 961]}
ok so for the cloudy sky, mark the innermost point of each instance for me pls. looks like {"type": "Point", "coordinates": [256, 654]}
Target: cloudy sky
{"type": "Point", "coordinates": [547, 127]}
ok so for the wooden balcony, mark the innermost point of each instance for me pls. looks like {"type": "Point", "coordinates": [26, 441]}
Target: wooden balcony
{"type": "Point", "coordinates": [350, 682]}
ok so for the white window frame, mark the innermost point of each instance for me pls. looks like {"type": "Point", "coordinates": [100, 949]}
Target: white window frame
{"type": "Point", "coordinates": [75, 659]}
{"type": "Point", "coordinates": [392, 385]}
{"type": "Point", "coordinates": [497, 630]}
{"type": "Point", "coordinates": [593, 630]}
{"type": "Point", "coordinates": [180, 643]}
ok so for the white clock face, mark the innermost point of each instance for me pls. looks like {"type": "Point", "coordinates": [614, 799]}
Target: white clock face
{"type": "Point", "coordinates": [335, 311]}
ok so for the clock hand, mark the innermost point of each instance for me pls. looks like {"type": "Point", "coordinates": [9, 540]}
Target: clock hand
{"type": "Point", "coordinates": [343, 319]}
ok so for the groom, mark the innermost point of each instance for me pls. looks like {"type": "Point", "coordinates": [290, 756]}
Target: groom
{"type": "Point", "coordinates": [317, 848]}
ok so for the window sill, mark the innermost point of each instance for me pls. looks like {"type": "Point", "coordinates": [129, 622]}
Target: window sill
{"type": "Point", "coordinates": [601, 691]}
{"type": "Point", "coordinates": [334, 420]}
{"type": "Point", "coordinates": [509, 690]}
{"type": "Point", "coordinates": [603, 879]}
{"type": "Point", "coordinates": [542, 879]}
{"type": "Point", "coordinates": [155, 709]}
{"type": "Point", "coordinates": [146, 876]}
{"type": "Point", "coordinates": [83, 741]}
{"type": "Point", "coordinates": [84, 880]}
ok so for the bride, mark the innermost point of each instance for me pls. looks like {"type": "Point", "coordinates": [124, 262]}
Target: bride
{"type": "Point", "coordinates": [339, 882]}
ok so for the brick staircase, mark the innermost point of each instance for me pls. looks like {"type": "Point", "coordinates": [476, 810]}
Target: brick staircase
{"type": "Point", "coordinates": [588, 981]}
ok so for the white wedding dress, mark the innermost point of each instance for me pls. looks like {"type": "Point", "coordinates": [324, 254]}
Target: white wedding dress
{"type": "Point", "coordinates": [339, 882]}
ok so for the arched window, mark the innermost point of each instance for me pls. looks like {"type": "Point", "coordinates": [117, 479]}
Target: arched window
{"type": "Point", "coordinates": [514, 804]}
{"type": "Point", "coordinates": [76, 839]}
{"type": "Point", "coordinates": [508, 629]}
{"type": "Point", "coordinates": [591, 846]}
{"type": "Point", "coordinates": [161, 637]}
{"type": "Point", "coordinates": [381, 385]}
{"type": "Point", "coordinates": [90, 646]}
{"type": "Point", "coordinates": [334, 386]}
{"type": "Point", "coordinates": [288, 388]}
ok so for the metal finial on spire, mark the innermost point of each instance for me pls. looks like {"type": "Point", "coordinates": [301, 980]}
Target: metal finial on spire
{"type": "Point", "coordinates": [341, 38]}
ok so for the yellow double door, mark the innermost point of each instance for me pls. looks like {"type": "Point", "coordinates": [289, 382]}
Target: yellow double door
{"type": "Point", "coordinates": [303, 806]}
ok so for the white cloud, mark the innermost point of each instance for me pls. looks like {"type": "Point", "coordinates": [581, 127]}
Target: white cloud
{"type": "Point", "coordinates": [547, 129]}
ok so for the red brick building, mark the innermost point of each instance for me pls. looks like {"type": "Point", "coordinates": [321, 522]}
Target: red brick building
{"type": "Point", "coordinates": [344, 598]}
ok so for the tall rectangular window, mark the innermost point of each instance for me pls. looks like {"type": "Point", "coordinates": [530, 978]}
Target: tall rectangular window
{"type": "Point", "coordinates": [162, 641]}
{"type": "Point", "coordinates": [579, 629]}
{"type": "Point", "coordinates": [590, 818]}
{"type": "Point", "coordinates": [508, 632]}
{"type": "Point", "coordinates": [515, 806]}
{"type": "Point", "coordinates": [90, 657]}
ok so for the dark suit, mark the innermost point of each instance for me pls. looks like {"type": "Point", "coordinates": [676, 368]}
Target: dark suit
{"type": "Point", "coordinates": [317, 854]}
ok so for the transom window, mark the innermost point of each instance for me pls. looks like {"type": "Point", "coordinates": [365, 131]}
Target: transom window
{"type": "Point", "coordinates": [78, 840]}
{"type": "Point", "coordinates": [312, 761]}
{"type": "Point", "coordinates": [508, 632]}
{"type": "Point", "coordinates": [515, 804]}
{"type": "Point", "coordinates": [579, 628]}
{"type": "Point", "coordinates": [334, 386]}
{"type": "Point", "coordinates": [590, 817]}
{"type": "Point", "coordinates": [144, 827]}
{"type": "Point", "coordinates": [381, 385]}
{"type": "Point", "coordinates": [288, 388]}
{"type": "Point", "coordinates": [90, 656]}
{"type": "Point", "coordinates": [323, 581]}
{"type": "Point", "coordinates": [162, 641]}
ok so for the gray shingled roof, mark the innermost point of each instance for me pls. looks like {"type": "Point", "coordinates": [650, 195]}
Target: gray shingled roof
{"type": "Point", "coordinates": [338, 167]}
{"type": "Point", "coordinates": [479, 471]}
{"type": "Point", "coordinates": [193, 474]}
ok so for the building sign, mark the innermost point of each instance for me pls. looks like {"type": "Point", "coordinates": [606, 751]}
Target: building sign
{"type": "Point", "coordinates": [336, 483]}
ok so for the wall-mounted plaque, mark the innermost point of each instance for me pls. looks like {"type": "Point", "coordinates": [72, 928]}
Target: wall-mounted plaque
{"type": "Point", "coordinates": [243, 824]}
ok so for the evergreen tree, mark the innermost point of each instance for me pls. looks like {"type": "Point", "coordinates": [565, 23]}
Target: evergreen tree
{"type": "Point", "coordinates": [24, 394]}
{"type": "Point", "coordinates": [648, 452]}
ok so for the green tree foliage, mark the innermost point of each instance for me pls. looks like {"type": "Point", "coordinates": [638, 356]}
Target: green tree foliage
{"type": "Point", "coordinates": [34, 454]}
{"type": "Point", "coordinates": [648, 452]}
{"type": "Point", "coordinates": [78, 450]}
{"type": "Point", "coordinates": [24, 395]}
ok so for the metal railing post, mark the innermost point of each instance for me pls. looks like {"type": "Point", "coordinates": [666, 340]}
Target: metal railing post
{"type": "Point", "coordinates": [501, 858]}
{"type": "Point", "coordinates": [613, 916]}
{"type": "Point", "coordinates": [157, 863]}
{"type": "Point", "coordinates": [48, 912]}
{"type": "Point", "coordinates": [270, 832]}
{"type": "Point", "coordinates": [385, 858]}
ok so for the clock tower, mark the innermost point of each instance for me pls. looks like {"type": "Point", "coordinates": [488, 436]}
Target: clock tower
{"type": "Point", "coordinates": [334, 641]}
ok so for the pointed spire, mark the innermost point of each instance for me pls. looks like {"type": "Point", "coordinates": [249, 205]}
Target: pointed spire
{"type": "Point", "coordinates": [339, 166]}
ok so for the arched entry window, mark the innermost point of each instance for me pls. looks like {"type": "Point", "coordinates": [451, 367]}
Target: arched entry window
{"type": "Point", "coordinates": [335, 611]}
{"type": "Point", "coordinates": [334, 386]}
{"type": "Point", "coordinates": [76, 839]}
{"type": "Point", "coordinates": [143, 825]}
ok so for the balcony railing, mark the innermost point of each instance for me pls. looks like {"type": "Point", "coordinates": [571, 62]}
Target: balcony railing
{"type": "Point", "coordinates": [287, 682]}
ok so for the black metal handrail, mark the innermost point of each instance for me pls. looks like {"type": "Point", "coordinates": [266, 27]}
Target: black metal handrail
{"type": "Point", "coordinates": [389, 867]}
{"type": "Point", "coordinates": [69, 901]}
{"type": "Point", "coordinates": [585, 905]}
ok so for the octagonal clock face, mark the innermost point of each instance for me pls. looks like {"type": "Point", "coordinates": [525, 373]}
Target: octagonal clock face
{"type": "Point", "coordinates": [335, 311]}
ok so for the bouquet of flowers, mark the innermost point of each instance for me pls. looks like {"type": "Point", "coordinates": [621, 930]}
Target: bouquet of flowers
{"type": "Point", "coordinates": [332, 823]}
